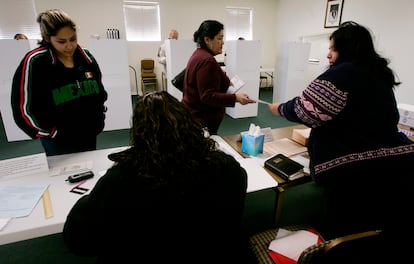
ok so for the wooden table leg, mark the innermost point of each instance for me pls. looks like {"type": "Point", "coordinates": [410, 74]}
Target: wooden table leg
{"type": "Point", "coordinates": [279, 202]}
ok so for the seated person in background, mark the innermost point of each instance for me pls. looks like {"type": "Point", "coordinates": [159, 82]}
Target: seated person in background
{"type": "Point", "coordinates": [20, 36]}
{"type": "Point", "coordinates": [172, 197]}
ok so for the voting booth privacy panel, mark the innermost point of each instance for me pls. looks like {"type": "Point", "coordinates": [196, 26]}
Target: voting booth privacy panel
{"type": "Point", "coordinates": [112, 57]}
{"type": "Point", "coordinates": [243, 59]}
{"type": "Point", "coordinates": [178, 52]}
{"type": "Point", "coordinates": [291, 71]}
{"type": "Point", "coordinates": [11, 53]}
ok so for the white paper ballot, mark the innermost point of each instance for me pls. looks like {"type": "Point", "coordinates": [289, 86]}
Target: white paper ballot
{"type": "Point", "coordinates": [258, 178]}
{"type": "Point", "coordinates": [237, 84]}
{"type": "Point", "coordinates": [19, 200]}
{"type": "Point", "coordinates": [262, 102]}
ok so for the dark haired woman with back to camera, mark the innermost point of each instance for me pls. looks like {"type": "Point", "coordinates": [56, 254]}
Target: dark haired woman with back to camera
{"type": "Point", "coordinates": [205, 83]}
{"type": "Point", "coordinates": [172, 197]}
{"type": "Point", "coordinates": [356, 152]}
{"type": "Point", "coordinates": [57, 91]}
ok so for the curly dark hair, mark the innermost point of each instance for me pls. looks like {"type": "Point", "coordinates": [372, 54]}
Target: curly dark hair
{"type": "Point", "coordinates": [165, 138]}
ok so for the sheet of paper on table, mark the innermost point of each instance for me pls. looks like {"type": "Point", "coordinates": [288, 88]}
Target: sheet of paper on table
{"type": "Point", "coordinates": [258, 178]}
{"type": "Point", "coordinates": [19, 200]}
{"type": "Point", "coordinates": [22, 166]}
{"type": "Point", "coordinates": [284, 146]}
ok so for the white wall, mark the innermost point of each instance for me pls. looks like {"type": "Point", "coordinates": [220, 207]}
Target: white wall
{"type": "Point", "coordinates": [388, 21]}
{"type": "Point", "coordinates": [275, 22]}
{"type": "Point", "coordinates": [93, 17]}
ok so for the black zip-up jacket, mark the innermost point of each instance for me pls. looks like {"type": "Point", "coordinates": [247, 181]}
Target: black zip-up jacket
{"type": "Point", "coordinates": [50, 100]}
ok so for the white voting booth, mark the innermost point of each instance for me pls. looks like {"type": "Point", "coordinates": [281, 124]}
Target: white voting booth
{"type": "Point", "coordinates": [112, 57]}
{"type": "Point", "coordinates": [291, 71]}
{"type": "Point", "coordinates": [243, 59]}
{"type": "Point", "coordinates": [11, 53]}
{"type": "Point", "coordinates": [177, 51]}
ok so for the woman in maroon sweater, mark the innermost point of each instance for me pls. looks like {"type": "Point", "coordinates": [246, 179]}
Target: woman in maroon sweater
{"type": "Point", "coordinates": [205, 83]}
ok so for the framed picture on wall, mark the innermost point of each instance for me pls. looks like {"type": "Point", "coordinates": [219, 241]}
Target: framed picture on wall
{"type": "Point", "coordinates": [333, 13]}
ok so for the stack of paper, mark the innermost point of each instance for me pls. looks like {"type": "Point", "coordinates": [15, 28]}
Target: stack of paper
{"type": "Point", "coordinates": [301, 135]}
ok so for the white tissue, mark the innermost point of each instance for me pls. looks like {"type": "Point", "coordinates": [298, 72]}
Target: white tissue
{"type": "Point", "coordinates": [257, 131]}
{"type": "Point", "coordinates": [252, 129]}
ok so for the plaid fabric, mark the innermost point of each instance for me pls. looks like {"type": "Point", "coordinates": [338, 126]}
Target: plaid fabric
{"type": "Point", "coordinates": [313, 253]}
{"type": "Point", "coordinates": [259, 244]}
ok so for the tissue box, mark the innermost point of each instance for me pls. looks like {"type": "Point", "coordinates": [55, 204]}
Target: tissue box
{"type": "Point", "coordinates": [252, 145]}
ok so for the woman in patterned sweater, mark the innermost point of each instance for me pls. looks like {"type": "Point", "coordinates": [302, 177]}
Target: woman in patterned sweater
{"type": "Point", "coordinates": [355, 147]}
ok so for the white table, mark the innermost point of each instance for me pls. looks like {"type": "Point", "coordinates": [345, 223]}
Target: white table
{"type": "Point", "coordinates": [62, 200]}
{"type": "Point", "coordinates": [258, 178]}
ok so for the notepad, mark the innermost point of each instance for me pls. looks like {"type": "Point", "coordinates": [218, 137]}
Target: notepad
{"type": "Point", "coordinates": [19, 200]}
{"type": "Point", "coordinates": [285, 146]}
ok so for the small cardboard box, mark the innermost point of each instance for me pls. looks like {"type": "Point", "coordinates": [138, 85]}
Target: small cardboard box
{"type": "Point", "coordinates": [301, 136]}
{"type": "Point", "coordinates": [252, 145]}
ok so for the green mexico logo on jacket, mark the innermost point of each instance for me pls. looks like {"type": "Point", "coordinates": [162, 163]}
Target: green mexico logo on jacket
{"type": "Point", "coordinates": [75, 90]}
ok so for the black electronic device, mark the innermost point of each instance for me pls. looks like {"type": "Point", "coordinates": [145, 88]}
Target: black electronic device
{"type": "Point", "coordinates": [80, 176]}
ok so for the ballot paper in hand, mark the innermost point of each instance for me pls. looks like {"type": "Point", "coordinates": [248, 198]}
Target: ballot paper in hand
{"type": "Point", "coordinates": [262, 102]}
{"type": "Point", "coordinates": [236, 84]}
